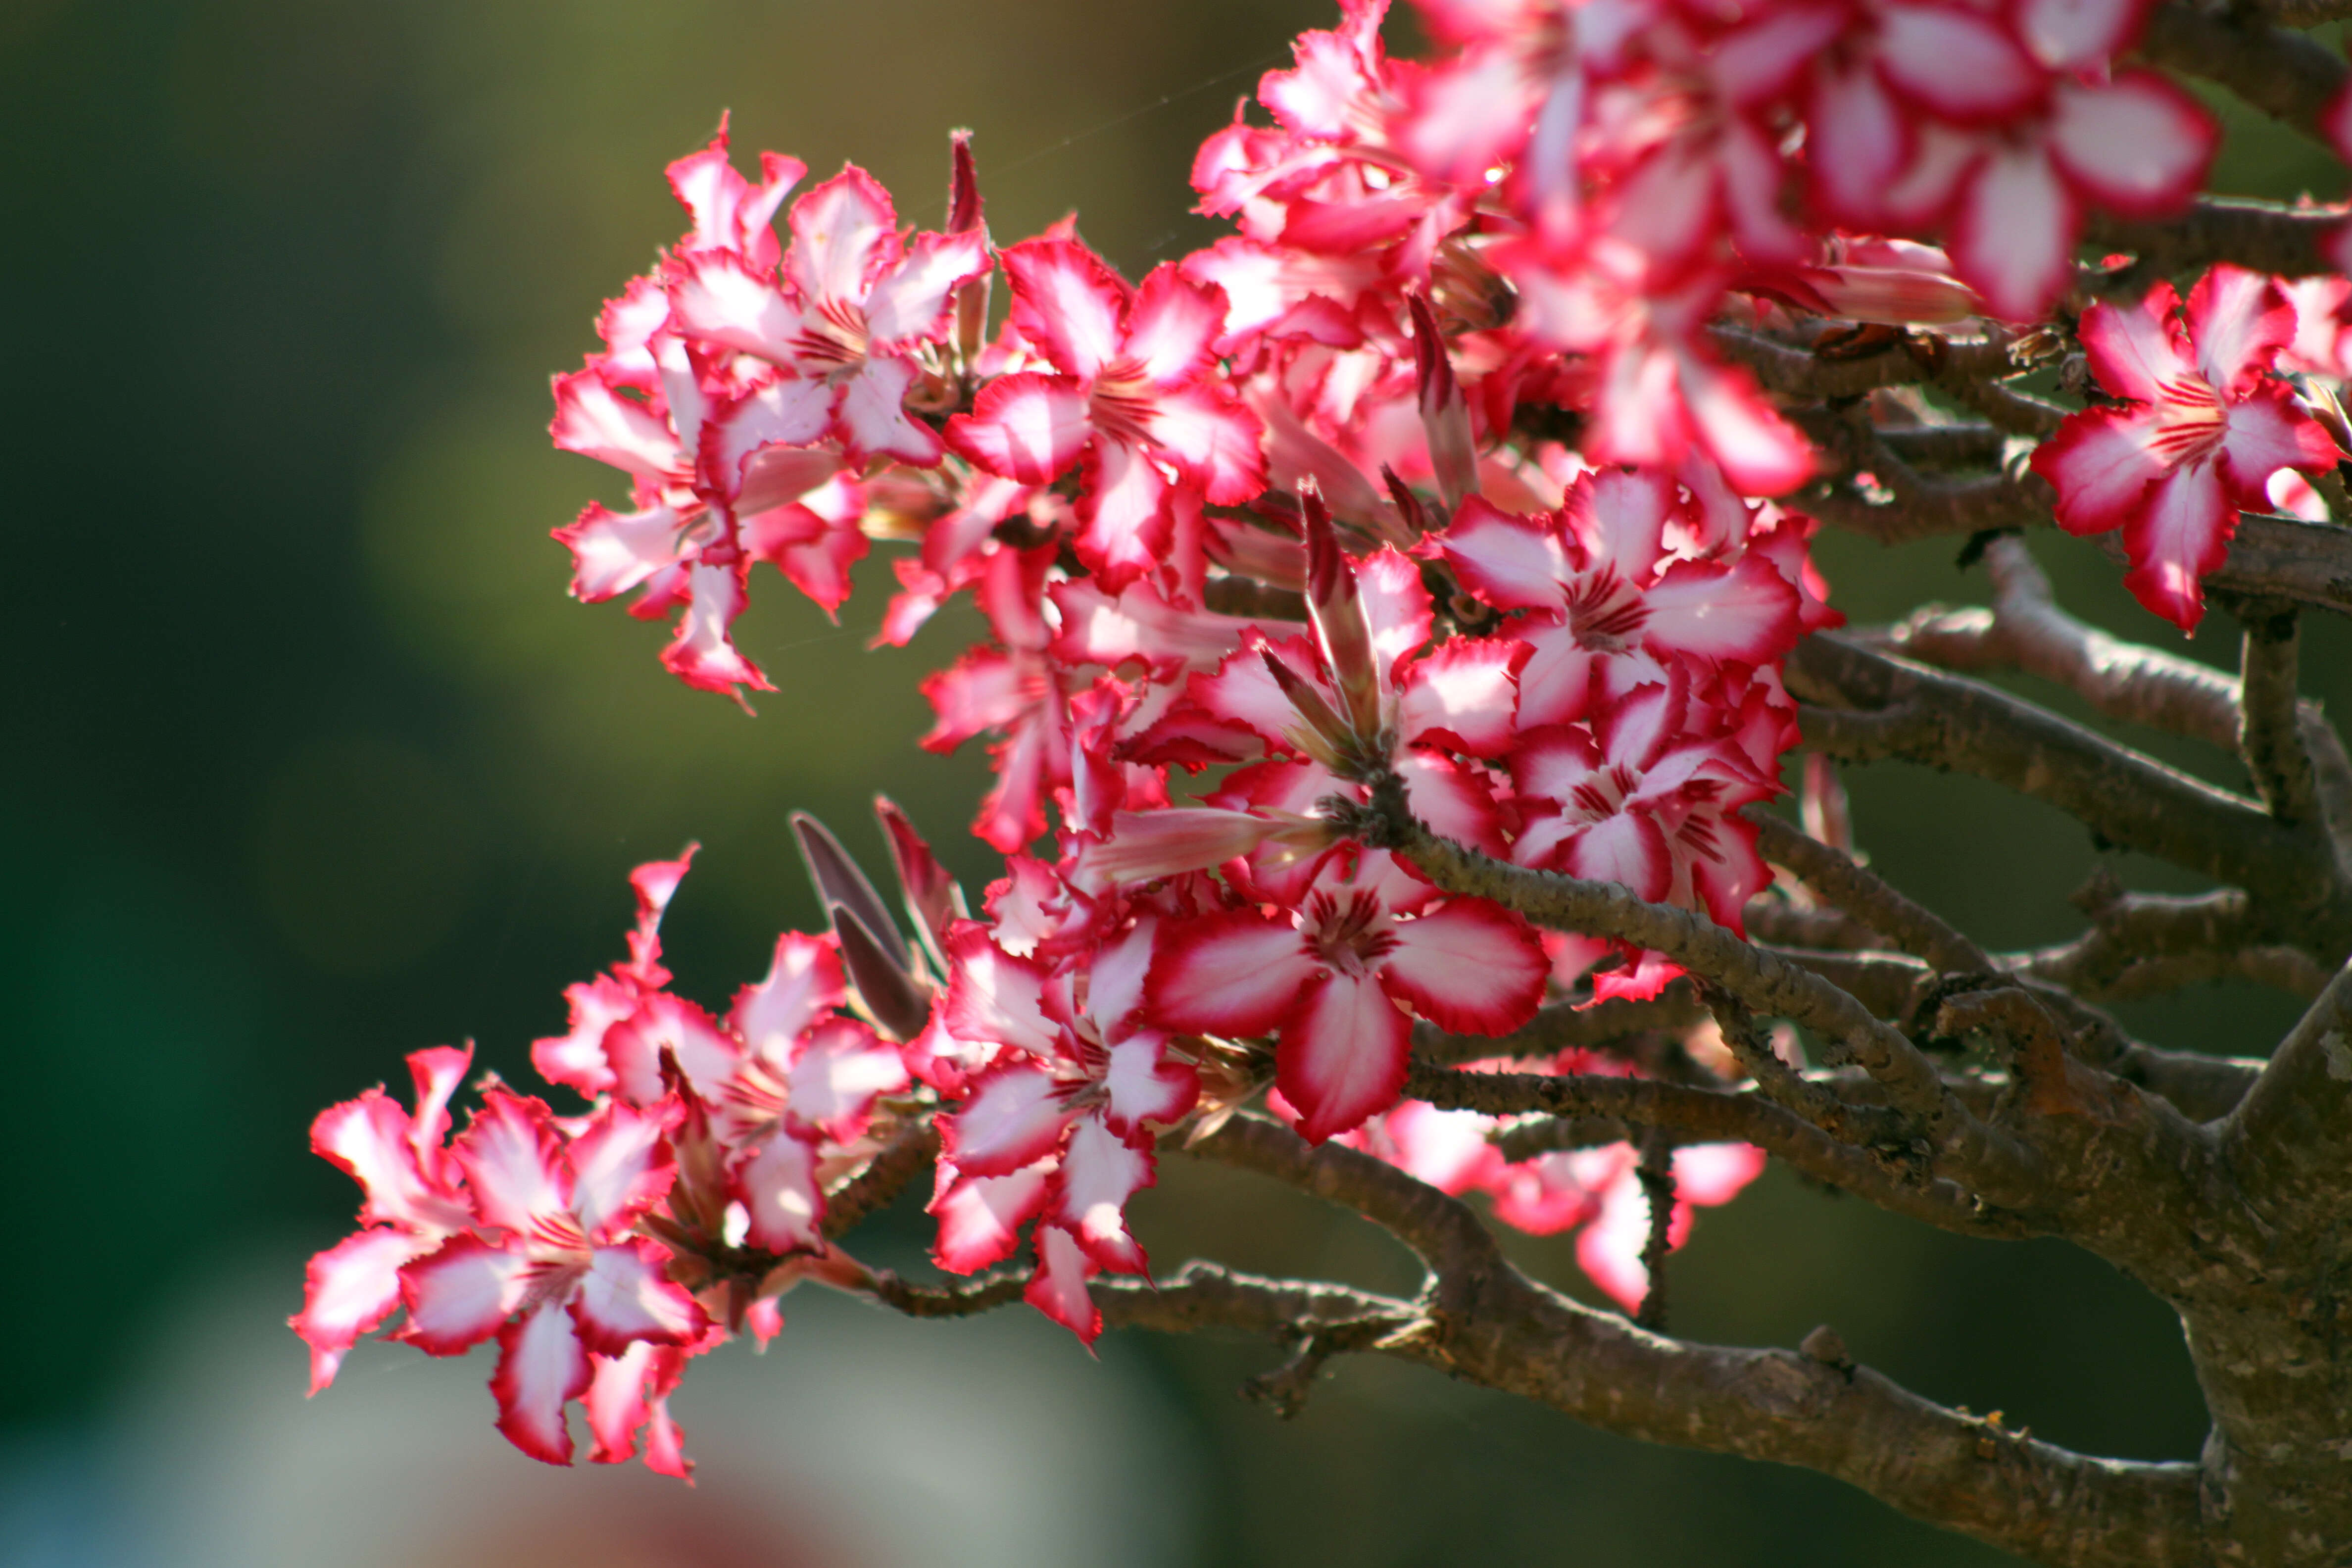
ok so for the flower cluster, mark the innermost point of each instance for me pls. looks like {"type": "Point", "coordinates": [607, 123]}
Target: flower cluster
{"type": "Point", "coordinates": [1430, 482]}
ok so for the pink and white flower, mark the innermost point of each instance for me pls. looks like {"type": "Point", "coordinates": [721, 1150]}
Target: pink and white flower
{"type": "Point", "coordinates": [2201, 427]}
{"type": "Point", "coordinates": [1137, 402]}
{"type": "Point", "coordinates": [553, 1271]}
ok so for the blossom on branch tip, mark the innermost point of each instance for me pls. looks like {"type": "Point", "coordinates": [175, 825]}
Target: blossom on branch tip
{"type": "Point", "coordinates": [2199, 427]}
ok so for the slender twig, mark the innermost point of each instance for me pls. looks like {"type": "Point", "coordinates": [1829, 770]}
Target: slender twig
{"type": "Point", "coordinates": [2026, 630]}
{"type": "Point", "coordinates": [2270, 735]}
{"type": "Point", "coordinates": [1656, 1175]}
{"type": "Point", "coordinates": [1835, 876]}
{"type": "Point", "coordinates": [1893, 709]}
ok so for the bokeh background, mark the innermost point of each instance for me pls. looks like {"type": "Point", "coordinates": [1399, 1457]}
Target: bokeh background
{"type": "Point", "coordinates": [310, 762]}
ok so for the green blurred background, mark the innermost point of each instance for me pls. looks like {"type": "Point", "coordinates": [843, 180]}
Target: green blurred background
{"type": "Point", "coordinates": [311, 763]}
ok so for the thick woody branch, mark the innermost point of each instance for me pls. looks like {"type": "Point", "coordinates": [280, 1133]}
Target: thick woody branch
{"type": "Point", "coordinates": [1209, 1295]}
{"type": "Point", "coordinates": [1717, 1116]}
{"type": "Point", "coordinates": [2263, 237]}
{"type": "Point", "coordinates": [1815, 1409]}
{"type": "Point", "coordinates": [2289, 1141]}
{"type": "Point", "coordinates": [881, 1178]}
{"type": "Point", "coordinates": [2270, 734]}
{"type": "Point", "coordinates": [1799, 372]}
{"type": "Point", "coordinates": [1834, 874]}
{"type": "Point", "coordinates": [1922, 507]}
{"type": "Point", "coordinates": [2026, 630]}
{"type": "Point", "coordinates": [2284, 74]}
{"type": "Point", "coordinates": [1994, 1165]}
{"type": "Point", "coordinates": [1882, 708]}
{"type": "Point", "coordinates": [2201, 1087]}
{"type": "Point", "coordinates": [2137, 942]}
{"type": "Point", "coordinates": [1565, 1025]}
{"type": "Point", "coordinates": [1442, 1230]}
{"type": "Point", "coordinates": [1820, 1411]}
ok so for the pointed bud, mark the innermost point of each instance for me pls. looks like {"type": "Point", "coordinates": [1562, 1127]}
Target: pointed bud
{"type": "Point", "coordinates": [1444, 416]}
{"type": "Point", "coordinates": [839, 882]}
{"type": "Point", "coordinates": [1409, 506]}
{"type": "Point", "coordinates": [1337, 611]}
{"type": "Point", "coordinates": [963, 216]}
{"type": "Point", "coordinates": [933, 900]}
{"type": "Point", "coordinates": [893, 1000]}
{"type": "Point", "coordinates": [1323, 735]}
{"type": "Point", "coordinates": [1148, 844]}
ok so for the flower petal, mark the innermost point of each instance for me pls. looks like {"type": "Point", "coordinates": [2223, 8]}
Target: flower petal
{"type": "Point", "coordinates": [1100, 1171]}
{"type": "Point", "coordinates": [2013, 235]}
{"type": "Point", "coordinates": [778, 1188]}
{"type": "Point", "coordinates": [1463, 695]}
{"type": "Point", "coordinates": [1058, 1289]}
{"type": "Point", "coordinates": [1467, 966]}
{"type": "Point", "coordinates": [2267, 432]}
{"type": "Point", "coordinates": [1961, 64]}
{"type": "Point", "coordinates": [981, 1216]}
{"type": "Point", "coordinates": [347, 1290]}
{"type": "Point", "coordinates": [845, 232]}
{"type": "Point", "coordinates": [542, 1368]}
{"type": "Point", "coordinates": [1013, 1117]}
{"type": "Point", "coordinates": [803, 984]}
{"type": "Point", "coordinates": [2180, 532]}
{"type": "Point", "coordinates": [667, 1023]}
{"type": "Point", "coordinates": [1142, 1083]}
{"type": "Point", "coordinates": [2137, 143]}
{"type": "Point", "coordinates": [626, 1296]}
{"type": "Point", "coordinates": [1236, 973]}
{"type": "Point", "coordinates": [457, 1297]}
{"type": "Point", "coordinates": [1342, 1054]}
{"type": "Point", "coordinates": [1126, 527]}
{"type": "Point", "coordinates": [1068, 302]}
{"type": "Point", "coordinates": [718, 297]}
{"type": "Point", "coordinates": [2239, 322]}
{"type": "Point", "coordinates": [916, 301]}
{"type": "Point", "coordinates": [872, 420]}
{"type": "Point", "coordinates": [1215, 441]}
{"type": "Point", "coordinates": [621, 1166]}
{"type": "Point", "coordinates": [1746, 614]}
{"type": "Point", "coordinates": [513, 1161]}
{"type": "Point", "coordinates": [2101, 462]}
{"type": "Point", "coordinates": [1025, 427]}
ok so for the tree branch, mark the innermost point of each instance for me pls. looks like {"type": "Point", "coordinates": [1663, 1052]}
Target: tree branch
{"type": "Point", "coordinates": [1835, 876]}
{"type": "Point", "coordinates": [2004, 1171]}
{"type": "Point", "coordinates": [2289, 1139]}
{"type": "Point", "coordinates": [1565, 1025]}
{"type": "Point", "coordinates": [2285, 75]}
{"type": "Point", "coordinates": [1962, 1472]}
{"type": "Point", "coordinates": [2026, 630]}
{"type": "Point", "coordinates": [2263, 237]}
{"type": "Point", "coordinates": [881, 1178]}
{"type": "Point", "coordinates": [1720, 1116]}
{"type": "Point", "coordinates": [1889, 707]}
{"type": "Point", "coordinates": [1442, 1230]}
{"type": "Point", "coordinates": [2270, 734]}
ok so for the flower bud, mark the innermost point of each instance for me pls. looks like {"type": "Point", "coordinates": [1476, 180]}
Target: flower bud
{"type": "Point", "coordinates": [1148, 844]}
{"type": "Point", "coordinates": [1444, 416]}
{"type": "Point", "coordinates": [964, 215]}
{"type": "Point", "coordinates": [1338, 611]}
